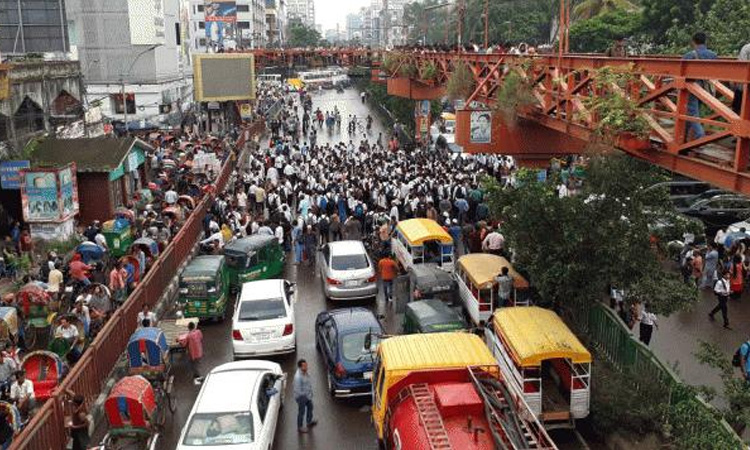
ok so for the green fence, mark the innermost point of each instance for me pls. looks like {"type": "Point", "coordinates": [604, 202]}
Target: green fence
{"type": "Point", "coordinates": [613, 340]}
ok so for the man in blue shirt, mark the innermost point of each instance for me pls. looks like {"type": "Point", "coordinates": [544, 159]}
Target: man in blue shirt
{"type": "Point", "coordinates": [699, 52]}
{"type": "Point", "coordinates": [745, 361]}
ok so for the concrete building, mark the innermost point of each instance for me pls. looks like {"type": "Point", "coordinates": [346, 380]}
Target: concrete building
{"type": "Point", "coordinates": [276, 22]}
{"type": "Point", "coordinates": [37, 26]}
{"type": "Point", "coordinates": [301, 10]}
{"type": "Point", "coordinates": [37, 97]}
{"type": "Point", "coordinates": [354, 27]}
{"type": "Point", "coordinates": [248, 32]}
{"type": "Point", "coordinates": [140, 47]}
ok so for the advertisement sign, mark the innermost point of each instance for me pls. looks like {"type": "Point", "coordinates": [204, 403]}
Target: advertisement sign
{"type": "Point", "coordinates": [10, 175]}
{"type": "Point", "coordinates": [223, 77]}
{"type": "Point", "coordinates": [39, 196]}
{"type": "Point", "coordinates": [146, 22]}
{"type": "Point", "coordinates": [246, 111]}
{"type": "Point", "coordinates": [220, 17]}
{"type": "Point", "coordinates": [481, 127]}
{"type": "Point", "coordinates": [68, 191]}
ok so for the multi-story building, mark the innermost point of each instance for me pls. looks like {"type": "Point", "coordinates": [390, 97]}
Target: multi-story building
{"type": "Point", "coordinates": [370, 19]}
{"type": "Point", "coordinates": [301, 10]}
{"type": "Point", "coordinates": [353, 27]}
{"type": "Point", "coordinates": [393, 28]}
{"type": "Point", "coordinates": [134, 56]}
{"type": "Point", "coordinates": [249, 31]}
{"type": "Point", "coordinates": [276, 21]}
{"type": "Point", "coordinates": [33, 26]}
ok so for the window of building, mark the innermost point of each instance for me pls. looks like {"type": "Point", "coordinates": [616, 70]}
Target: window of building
{"type": "Point", "coordinates": [129, 100]}
{"type": "Point", "coordinates": [243, 25]}
{"type": "Point", "coordinates": [201, 25]}
{"type": "Point", "coordinates": [201, 42]}
{"type": "Point", "coordinates": [243, 8]}
{"type": "Point", "coordinates": [177, 34]}
{"type": "Point", "coordinates": [200, 8]}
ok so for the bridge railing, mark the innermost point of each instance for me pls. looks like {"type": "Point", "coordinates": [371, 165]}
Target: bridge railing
{"type": "Point", "coordinates": [46, 430]}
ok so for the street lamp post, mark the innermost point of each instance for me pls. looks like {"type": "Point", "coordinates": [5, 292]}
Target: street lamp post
{"type": "Point", "coordinates": [122, 87]}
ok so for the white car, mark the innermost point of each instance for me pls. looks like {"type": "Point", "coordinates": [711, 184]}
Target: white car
{"type": "Point", "coordinates": [347, 271]}
{"type": "Point", "coordinates": [263, 321]}
{"type": "Point", "coordinates": [237, 407]}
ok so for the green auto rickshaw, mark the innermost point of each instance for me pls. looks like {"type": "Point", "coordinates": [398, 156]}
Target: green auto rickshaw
{"type": "Point", "coordinates": [120, 234]}
{"type": "Point", "coordinates": [204, 288]}
{"type": "Point", "coordinates": [431, 316]}
{"type": "Point", "coordinates": [253, 258]}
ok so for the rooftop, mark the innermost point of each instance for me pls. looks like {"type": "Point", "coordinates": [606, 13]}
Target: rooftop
{"type": "Point", "coordinates": [102, 154]}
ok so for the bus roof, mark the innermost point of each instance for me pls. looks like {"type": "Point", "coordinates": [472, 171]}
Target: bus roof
{"type": "Point", "coordinates": [448, 116]}
{"type": "Point", "coordinates": [434, 351]}
{"type": "Point", "coordinates": [536, 334]}
{"type": "Point", "coordinates": [419, 231]}
{"type": "Point", "coordinates": [296, 82]}
{"type": "Point", "coordinates": [483, 268]}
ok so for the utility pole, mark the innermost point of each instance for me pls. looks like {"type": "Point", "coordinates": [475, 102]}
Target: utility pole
{"type": "Point", "coordinates": [486, 24]}
{"type": "Point", "coordinates": [461, 16]}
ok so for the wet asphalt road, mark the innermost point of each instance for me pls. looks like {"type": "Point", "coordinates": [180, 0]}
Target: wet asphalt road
{"type": "Point", "coordinates": [342, 424]}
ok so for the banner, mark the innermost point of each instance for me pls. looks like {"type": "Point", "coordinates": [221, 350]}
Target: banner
{"type": "Point", "coordinates": [220, 11]}
{"type": "Point", "coordinates": [68, 191]}
{"type": "Point", "coordinates": [220, 17]}
{"type": "Point", "coordinates": [481, 127]}
{"type": "Point", "coordinates": [246, 111]}
{"type": "Point", "coordinates": [10, 175]}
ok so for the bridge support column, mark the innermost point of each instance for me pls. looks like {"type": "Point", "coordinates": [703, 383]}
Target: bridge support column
{"type": "Point", "coordinates": [414, 90]}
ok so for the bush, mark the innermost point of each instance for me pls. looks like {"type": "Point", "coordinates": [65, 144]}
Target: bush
{"type": "Point", "coordinates": [429, 71]}
{"type": "Point", "coordinates": [461, 83]}
{"type": "Point", "coordinates": [514, 94]}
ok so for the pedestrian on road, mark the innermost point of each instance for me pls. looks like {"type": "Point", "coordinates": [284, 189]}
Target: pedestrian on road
{"type": "Point", "coordinates": [504, 287]}
{"type": "Point", "coordinates": [146, 315]}
{"type": "Point", "coordinates": [744, 351]}
{"type": "Point", "coordinates": [303, 395]}
{"type": "Point", "coordinates": [648, 323]}
{"type": "Point", "coordinates": [79, 424]}
{"type": "Point", "coordinates": [193, 341]}
{"type": "Point", "coordinates": [737, 278]}
{"type": "Point", "coordinates": [710, 264]}
{"type": "Point", "coordinates": [721, 289]}
{"type": "Point", "coordinates": [388, 271]}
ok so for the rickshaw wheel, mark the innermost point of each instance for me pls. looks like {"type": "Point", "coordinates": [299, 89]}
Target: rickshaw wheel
{"type": "Point", "coordinates": [172, 403]}
{"type": "Point", "coordinates": [161, 414]}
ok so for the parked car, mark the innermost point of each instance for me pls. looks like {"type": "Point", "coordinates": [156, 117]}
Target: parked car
{"type": "Point", "coordinates": [347, 339]}
{"type": "Point", "coordinates": [263, 321]}
{"type": "Point", "coordinates": [347, 271]}
{"type": "Point", "coordinates": [683, 203]}
{"type": "Point", "coordinates": [238, 404]}
{"type": "Point", "coordinates": [680, 189]}
{"type": "Point", "coordinates": [431, 316]}
{"type": "Point", "coordinates": [720, 211]}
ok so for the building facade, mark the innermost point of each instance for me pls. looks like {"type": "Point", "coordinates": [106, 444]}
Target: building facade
{"type": "Point", "coordinates": [137, 47]}
{"type": "Point", "coordinates": [354, 27]}
{"type": "Point", "coordinates": [276, 22]}
{"type": "Point", "coordinates": [37, 26]}
{"type": "Point", "coordinates": [302, 11]}
{"type": "Point", "coordinates": [248, 32]}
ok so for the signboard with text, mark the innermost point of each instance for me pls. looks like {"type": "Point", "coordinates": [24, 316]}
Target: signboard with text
{"type": "Point", "coordinates": [49, 195]}
{"type": "Point", "coordinates": [10, 175]}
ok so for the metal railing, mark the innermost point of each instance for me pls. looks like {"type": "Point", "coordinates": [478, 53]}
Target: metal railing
{"type": "Point", "coordinates": [46, 430]}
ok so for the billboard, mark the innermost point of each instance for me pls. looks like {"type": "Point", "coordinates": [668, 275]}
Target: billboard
{"type": "Point", "coordinates": [10, 173]}
{"type": "Point", "coordinates": [146, 19]}
{"type": "Point", "coordinates": [49, 195]}
{"type": "Point", "coordinates": [481, 127]}
{"type": "Point", "coordinates": [222, 77]}
{"type": "Point", "coordinates": [221, 18]}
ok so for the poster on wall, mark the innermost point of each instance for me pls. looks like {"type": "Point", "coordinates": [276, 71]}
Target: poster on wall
{"type": "Point", "coordinates": [481, 127]}
{"type": "Point", "coordinates": [10, 173]}
{"type": "Point", "coordinates": [68, 191]}
{"type": "Point", "coordinates": [39, 196]}
{"type": "Point", "coordinates": [220, 18]}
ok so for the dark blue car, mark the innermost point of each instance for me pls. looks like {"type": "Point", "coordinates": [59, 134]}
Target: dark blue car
{"type": "Point", "coordinates": [341, 336]}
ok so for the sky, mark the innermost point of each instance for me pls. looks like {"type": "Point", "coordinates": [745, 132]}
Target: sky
{"type": "Point", "coordinates": [330, 12]}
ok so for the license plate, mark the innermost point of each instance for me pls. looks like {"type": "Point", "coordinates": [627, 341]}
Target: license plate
{"type": "Point", "coordinates": [351, 283]}
{"type": "Point", "coordinates": [367, 375]}
{"type": "Point", "coordinates": [262, 336]}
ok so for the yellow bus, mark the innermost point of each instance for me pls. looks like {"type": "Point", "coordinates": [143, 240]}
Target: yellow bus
{"type": "Point", "coordinates": [399, 356]}
{"type": "Point", "coordinates": [422, 241]}
{"type": "Point", "coordinates": [475, 276]}
{"type": "Point", "coordinates": [542, 359]}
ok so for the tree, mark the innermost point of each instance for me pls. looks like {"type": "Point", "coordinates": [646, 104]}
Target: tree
{"type": "Point", "coordinates": [597, 34]}
{"type": "Point", "coordinates": [300, 35]}
{"type": "Point", "coordinates": [661, 15]}
{"type": "Point", "coordinates": [592, 8]}
{"type": "Point", "coordinates": [574, 248]}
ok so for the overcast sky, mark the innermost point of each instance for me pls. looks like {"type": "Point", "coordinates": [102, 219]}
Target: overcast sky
{"type": "Point", "coordinates": [330, 12]}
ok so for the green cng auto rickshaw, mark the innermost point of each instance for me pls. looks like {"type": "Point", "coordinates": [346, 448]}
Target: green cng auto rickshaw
{"type": "Point", "coordinates": [204, 287]}
{"type": "Point", "coordinates": [253, 258]}
{"type": "Point", "coordinates": [431, 316]}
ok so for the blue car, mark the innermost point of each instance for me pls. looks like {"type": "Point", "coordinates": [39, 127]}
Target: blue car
{"type": "Point", "coordinates": [341, 336]}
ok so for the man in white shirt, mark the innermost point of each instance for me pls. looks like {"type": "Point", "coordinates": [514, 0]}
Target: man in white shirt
{"type": "Point", "coordinates": [171, 196]}
{"type": "Point", "coordinates": [242, 200]}
{"type": "Point", "coordinates": [648, 323]}
{"type": "Point", "coordinates": [493, 242]}
{"type": "Point", "coordinates": [22, 393]}
{"type": "Point", "coordinates": [721, 289]}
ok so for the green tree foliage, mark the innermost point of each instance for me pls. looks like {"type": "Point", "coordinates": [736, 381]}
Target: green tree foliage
{"type": "Point", "coordinates": [727, 24]}
{"type": "Point", "coordinates": [402, 109]}
{"type": "Point", "coordinates": [300, 35]}
{"type": "Point", "coordinates": [575, 247]}
{"type": "Point", "coordinates": [596, 35]}
{"type": "Point", "coordinates": [461, 83]}
{"type": "Point", "coordinates": [588, 9]}
{"type": "Point", "coordinates": [661, 15]}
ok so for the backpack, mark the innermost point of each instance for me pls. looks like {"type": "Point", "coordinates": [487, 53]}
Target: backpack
{"type": "Point", "coordinates": [737, 358]}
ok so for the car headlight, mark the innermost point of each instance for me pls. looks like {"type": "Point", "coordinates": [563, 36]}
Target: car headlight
{"type": "Point", "coordinates": [183, 290]}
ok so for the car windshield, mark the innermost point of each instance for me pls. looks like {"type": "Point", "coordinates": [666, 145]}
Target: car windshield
{"type": "Point", "coordinates": [353, 346]}
{"type": "Point", "coordinates": [262, 310]}
{"type": "Point", "coordinates": [349, 262]}
{"type": "Point", "coordinates": [219, 429]}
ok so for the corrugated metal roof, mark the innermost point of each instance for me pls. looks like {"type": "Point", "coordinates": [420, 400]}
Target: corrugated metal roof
{"type": "Point", "coordinates": [536, 334]}
{"type": "Point", "coordinates": [101, 154]}
{"type": "Point", "coordinates": [434, 351]}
